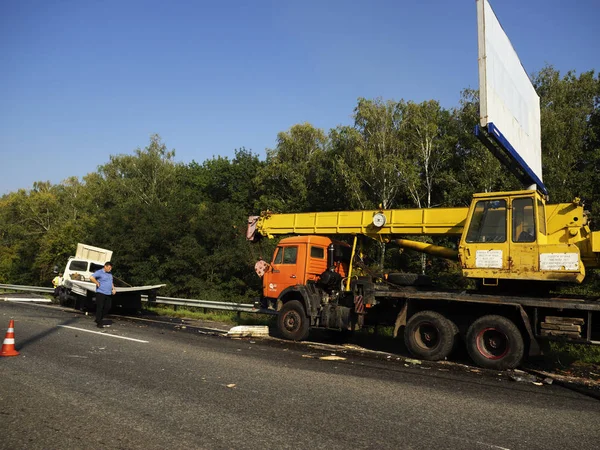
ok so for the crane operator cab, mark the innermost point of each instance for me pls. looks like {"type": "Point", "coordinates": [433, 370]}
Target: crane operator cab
{"type": "Point", "coordinates": [513, 235]}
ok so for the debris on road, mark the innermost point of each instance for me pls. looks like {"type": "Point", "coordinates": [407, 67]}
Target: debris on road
{"type": "Point", "coordinates": [332, 358]}
{"type": "Point", "coordinates": [249, 331]}
{"type": "Point", "coordinates": [413, 361]}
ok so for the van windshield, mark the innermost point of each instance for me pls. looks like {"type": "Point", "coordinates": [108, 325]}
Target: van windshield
{"type": "Point", "coordinates": [94, 267]}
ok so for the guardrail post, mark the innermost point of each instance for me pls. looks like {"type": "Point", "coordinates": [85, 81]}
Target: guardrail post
{"type": "Point", "coordinates": [239, 316]}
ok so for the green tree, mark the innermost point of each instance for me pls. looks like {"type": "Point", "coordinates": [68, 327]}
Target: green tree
{"type": "Point", "coordinates": [220, 179]}
{"type": "Point", "coordinates": [146, 177]}
{"type": "Point", "coordinates": [132, 197]}
{"type": "Point", "coordinates": [291, 173]}
{"type": "Point", "coordinates": [31, 220]}
{"type": "Point", "coordinates": [567, 106]}
{"type": "Point", "coordinates": [473, 168]}
{"type": "Point", "coordinates": [222, 194]}
{"type": "Point", "coordinates": [428, 147]}
{"type": "Point", "coordinates": [590, 166]}
{"type": "Point", "coordinates": [369, 156]}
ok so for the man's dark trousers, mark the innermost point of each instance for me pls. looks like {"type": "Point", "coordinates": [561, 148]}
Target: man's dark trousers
{"type": "Point", "coordinates": [103, 303]}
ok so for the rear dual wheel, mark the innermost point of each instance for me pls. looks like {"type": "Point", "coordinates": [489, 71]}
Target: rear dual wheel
{"type": "Point", "coordinates": [429, 335]}
{"type": "Point", "coordinates": [495, 342]}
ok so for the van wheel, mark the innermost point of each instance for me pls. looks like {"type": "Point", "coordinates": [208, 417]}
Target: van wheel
{"type": "Point", "coordinates": [429, 335]}
{"type": "Point", "coordinates": [63, 297]}
{"type": "Point", "coordinates": [495, 342]}
{"type": "Point", "coordinates": [292, 322]}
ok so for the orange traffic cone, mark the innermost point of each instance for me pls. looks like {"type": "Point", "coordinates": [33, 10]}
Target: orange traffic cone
{"type": "Point", "coordinates": [8, 346]}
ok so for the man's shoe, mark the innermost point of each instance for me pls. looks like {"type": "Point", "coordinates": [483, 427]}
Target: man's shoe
{"type": "Point", "coordinates": [99, 325]}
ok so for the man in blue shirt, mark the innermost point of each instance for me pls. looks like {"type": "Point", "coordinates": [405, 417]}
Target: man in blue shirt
{"type": "Point", "coordinates": [105, 289]}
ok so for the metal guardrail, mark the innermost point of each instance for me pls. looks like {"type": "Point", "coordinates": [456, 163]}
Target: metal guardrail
{"type": "Point", "coordinates": [16, 287]}
{"type": "Point", "coordinates": [207, 304]}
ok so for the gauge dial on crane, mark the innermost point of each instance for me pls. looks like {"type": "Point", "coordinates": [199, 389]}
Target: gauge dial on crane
{"type": "Point", "coordinates": [379, 220]}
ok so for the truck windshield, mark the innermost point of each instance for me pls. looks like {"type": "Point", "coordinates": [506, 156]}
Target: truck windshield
{"type": "Point", "coordinates": [286, 255]}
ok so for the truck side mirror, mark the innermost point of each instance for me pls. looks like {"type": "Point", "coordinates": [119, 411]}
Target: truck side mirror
{"type": "Point", "coordinates": [55, 270]}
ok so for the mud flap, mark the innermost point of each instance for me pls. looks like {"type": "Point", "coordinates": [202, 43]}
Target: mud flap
{"type": "Point", "coordinates": [534, 346]}
{"type": "Point", "coordinates": [401, 319]}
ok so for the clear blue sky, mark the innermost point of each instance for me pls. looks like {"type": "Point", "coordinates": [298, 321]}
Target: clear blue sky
{"type": "Point", "coordinates": [83, 80]}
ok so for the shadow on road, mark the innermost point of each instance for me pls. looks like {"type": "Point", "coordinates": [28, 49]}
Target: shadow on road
{"type": "Point", "coordinates": [23, 344]}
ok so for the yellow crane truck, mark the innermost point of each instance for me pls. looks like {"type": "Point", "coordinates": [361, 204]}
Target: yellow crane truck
{"type": "Point", "coordinates": [512, 243]}
{"type": "Point", "coordinates": [515, 245]}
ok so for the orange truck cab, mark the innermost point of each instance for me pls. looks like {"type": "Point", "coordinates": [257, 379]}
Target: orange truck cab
{"type": "Point", "coordinates": [305, 275]}
{"type": "Point", "coordinates": [299, 260]}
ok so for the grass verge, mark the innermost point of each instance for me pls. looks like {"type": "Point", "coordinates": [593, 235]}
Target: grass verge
{"type": "Point", "coordinates": [570, 353]}
{"type": "Point", "coordinates": [230, 317]}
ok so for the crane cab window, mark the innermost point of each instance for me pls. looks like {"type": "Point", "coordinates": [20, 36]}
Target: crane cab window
{"type": "Point", "coordinates": [523, 220]}
{"type": "Point", "coordinates": [488, 223]}
{"type": "Point", "coordinates": [541, 211]}
{"type": "Point", "coordinates": [286, 255]}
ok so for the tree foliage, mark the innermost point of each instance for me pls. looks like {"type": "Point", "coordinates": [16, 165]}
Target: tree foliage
{"type": "Point", "coordinates": [369, 155]}
{"type": "Point", "coordinates": [290, 175]}
{"type": "Point", "coordinates": [184, 224]}
{"type": "Point", "coordinates": [567, 105]}
{"type": "Point", "coordinates": [472, 167]}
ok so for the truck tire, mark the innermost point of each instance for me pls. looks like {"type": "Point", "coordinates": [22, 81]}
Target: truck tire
{"type": "Point", "coordinates": [292, 322]}
{"type": "Point", "coordinates": [495, 342]}
{"type": "Point", "coordinates": [429, 335]}
{"type": "Point", "coordinates": [408, 279]}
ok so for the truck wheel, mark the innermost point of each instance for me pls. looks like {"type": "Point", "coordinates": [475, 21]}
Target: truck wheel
{"type": "Point", "coordinates": [495, 342]}
{"type": "Point", "coordinates": [429, 335]}
{"type": "Point", "coordinates": [402, 279]}
{"type": "Point", "coordinates": [408, 279]}
{"type": "Point", "coordinates": [292, 322]}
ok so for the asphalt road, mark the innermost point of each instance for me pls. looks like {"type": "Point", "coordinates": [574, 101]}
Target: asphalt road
{"type": "Point", "coordinates": [154, 387]}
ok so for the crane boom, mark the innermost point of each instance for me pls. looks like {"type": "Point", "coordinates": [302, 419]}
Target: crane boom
{"type": "Point", "coordinates": [503, 235]}
{"type": "Point", "coordinates": [377, 224]}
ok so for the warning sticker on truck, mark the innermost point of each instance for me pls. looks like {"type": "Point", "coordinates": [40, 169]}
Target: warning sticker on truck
{"type": "Point", "coordinates": [489, 258]}
{"type": "Point", "coordinates": [559, 261]}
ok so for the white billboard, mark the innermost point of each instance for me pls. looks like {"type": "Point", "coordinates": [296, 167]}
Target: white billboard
{"type": "Point", "coordinates": [509, 105]}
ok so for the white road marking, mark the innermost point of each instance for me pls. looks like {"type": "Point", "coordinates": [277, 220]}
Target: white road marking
{"type": "Point", "coordinates": [104, 334]}
{"type": "Point", "coordinates": [478, 443]}
{"type": "Point", "coordinates": [492, 445]}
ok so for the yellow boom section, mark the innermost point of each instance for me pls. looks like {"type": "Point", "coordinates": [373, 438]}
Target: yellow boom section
{"type": "Point", "coordinates": [377, 224]}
